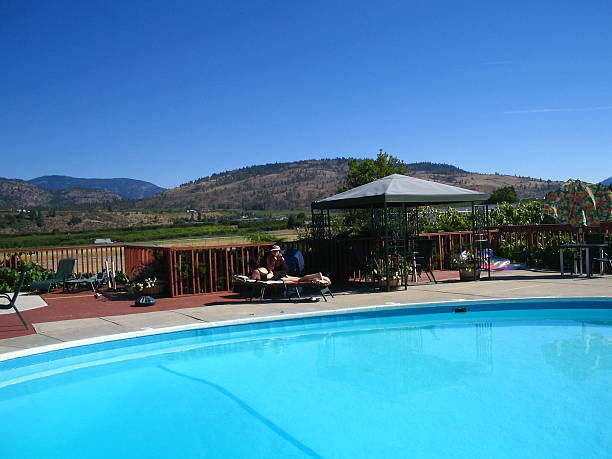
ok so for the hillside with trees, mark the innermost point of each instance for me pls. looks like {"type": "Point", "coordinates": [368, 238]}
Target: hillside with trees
{"type": "Point", "coordinates": [294, 185]}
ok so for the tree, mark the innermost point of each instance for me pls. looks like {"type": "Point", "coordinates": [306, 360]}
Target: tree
{"type": "Point", "coordinates": [362, 171]}
{"type": "Point", "coordinates": [292, 222]}
{"type": "Point", "coordinates": [504, 194]}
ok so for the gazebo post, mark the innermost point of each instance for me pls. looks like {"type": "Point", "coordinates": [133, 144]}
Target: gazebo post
{"type": "Point", "coordinates": [480, 236]}
{"type": "Point", "coordinates": [386, 243]}
{"type": "Point", "coordinates": [406, 242]}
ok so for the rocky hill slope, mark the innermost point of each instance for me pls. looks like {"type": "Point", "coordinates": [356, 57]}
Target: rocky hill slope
{"type": "Point", "coordinates": [294, 185]}
{"type": "Point", "coordinates": [124, 187]}
{"type": "Point", "coordinates": [19, 194]}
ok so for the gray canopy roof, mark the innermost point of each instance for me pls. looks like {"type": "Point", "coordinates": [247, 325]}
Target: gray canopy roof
{"type": "Point", "coordinates": [397, 189]}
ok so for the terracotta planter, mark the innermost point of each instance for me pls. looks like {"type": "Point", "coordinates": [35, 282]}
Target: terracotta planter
{"type": "Point", "coordinates": [469, 274]}
{"type": "Point", "coordinates": [394, 284]}
{"type": "Point", "coordinates": [156, 291]}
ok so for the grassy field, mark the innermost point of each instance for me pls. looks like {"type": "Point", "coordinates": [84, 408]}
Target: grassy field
{"type": "Point", "coordinates": [245, 231]}
{"type": "Point", "coordinates": [208, 241]}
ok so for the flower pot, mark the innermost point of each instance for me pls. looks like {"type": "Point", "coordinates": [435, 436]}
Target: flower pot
{"type": "Point", "coordinates": [155, 291]}
{"type": "Point", "coordinates": [469, 274]}
{"type": "Point", "coordinates": [394, 284]}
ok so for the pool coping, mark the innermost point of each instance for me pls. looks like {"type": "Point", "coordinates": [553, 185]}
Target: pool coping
{"type": "Point", "coordinates": [438, 306]}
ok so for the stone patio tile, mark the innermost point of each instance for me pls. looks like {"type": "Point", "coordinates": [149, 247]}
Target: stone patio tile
{"type": "Point", "coordinates": [219, 313]}
{"type": "Point", "coordinates": [68, 330]}
{"type": "Point", "coordinates": [6, 349]}
{"type": "Point", "coordinates": [231, 312]}
{"type": "Point", "coordinates": [28, 341]}
{"type": "Point", "coordinates": [25, 302]}
{"type": "Point", "coordinates": [157, 319]}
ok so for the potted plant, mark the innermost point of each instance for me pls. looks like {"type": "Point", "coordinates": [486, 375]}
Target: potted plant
{"type": "Point", "coordinates": [468, 265]}
{"type": "Point", "coordinates": [147, 286]}
{"type": "Point", "coordinates": [143, 281]}
{"type": "Point", "coordinates": [398, 268]}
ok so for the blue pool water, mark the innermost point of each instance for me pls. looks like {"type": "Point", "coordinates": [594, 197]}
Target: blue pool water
{"type": "Point", "coordinates": [504, 379]}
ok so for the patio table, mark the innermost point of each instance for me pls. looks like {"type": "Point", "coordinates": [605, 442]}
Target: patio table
{"type": "Point", "coordinates": [586, 248]}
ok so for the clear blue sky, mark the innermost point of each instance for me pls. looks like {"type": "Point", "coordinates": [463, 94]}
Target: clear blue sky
{"type": "Point", "coordinates": [169, 91]}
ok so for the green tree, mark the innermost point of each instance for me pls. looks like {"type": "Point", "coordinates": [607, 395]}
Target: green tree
{"type": "Point", "coordinates": [362, 171]}
{"type": "Point", "coordinates": [504, 194]}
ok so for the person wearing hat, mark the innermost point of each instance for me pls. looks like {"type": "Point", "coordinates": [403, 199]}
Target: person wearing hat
{"type": "Point", "coordinates": [277, 269]}
{"type": "Point", "coordinates": [276, 264]}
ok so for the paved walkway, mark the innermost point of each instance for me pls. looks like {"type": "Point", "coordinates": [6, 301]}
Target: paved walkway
{"type": "Point", "coordinates": [200, 309]}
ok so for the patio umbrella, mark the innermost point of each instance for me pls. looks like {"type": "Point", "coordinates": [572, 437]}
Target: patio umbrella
{"type": "Point", "coordinates": [579, 203]}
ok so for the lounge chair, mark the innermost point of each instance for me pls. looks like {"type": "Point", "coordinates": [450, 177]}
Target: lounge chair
{"type": "Point", "coordinates": [94, 281]}
{"type": "Point", "coordinates": [12, 301]}
{"type": "Point", "coordinates": [63, 274]}
{"type": "Point", "coordinates": [259, 287]}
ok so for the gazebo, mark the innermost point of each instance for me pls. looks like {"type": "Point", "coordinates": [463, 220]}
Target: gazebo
{"type": "Point", "coordinates": [393, 202]}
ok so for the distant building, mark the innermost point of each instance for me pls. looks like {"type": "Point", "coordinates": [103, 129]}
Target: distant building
{"type": "Point", "coordinates": [103, 241]}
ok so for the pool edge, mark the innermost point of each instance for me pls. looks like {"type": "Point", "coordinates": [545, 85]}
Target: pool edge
{"type": "Point", "coordinates": [426, 307]}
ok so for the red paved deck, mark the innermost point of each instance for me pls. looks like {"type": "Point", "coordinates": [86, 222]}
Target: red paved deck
{"type": "Point", "coordinates": [82, 305]}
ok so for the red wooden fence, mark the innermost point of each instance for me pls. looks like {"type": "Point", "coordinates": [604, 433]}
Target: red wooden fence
{"type": "Point", "coordinates": [90, 259]}
{"type": "Point", "coordinates": [202, 270]}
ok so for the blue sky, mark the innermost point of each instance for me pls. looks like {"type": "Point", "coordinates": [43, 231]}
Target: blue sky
{"type": "Point", "coordinates": [172, 91]}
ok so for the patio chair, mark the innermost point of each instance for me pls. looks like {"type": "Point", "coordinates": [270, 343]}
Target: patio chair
{"type": "Point", "coordinates": [65, 268]}
{"type": "Point", "coordinates": [12, 301]}
{"type": "Point", "coordinates": [94, 281]}
{"type": "Point", "coordinates": [594, 255]}
{"type": "Point", "coordinates": [294, 260]}
{"type": "Point", "coordinates": [606, 259]}
{"type": "Point", "coordinates": [425, 248]}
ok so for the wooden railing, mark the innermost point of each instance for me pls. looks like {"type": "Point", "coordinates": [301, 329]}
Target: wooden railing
{"type": "Point", "coordinates": [204, 270]}
{"type": "Point", "coordinates": [90, 259]}
{"type": "Point", "coordinates": [199, 270]}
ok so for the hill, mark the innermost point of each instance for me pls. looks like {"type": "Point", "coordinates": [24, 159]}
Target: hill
{"type": "Point", "coordinates": [19, 194]}
{"type": "Point", "coordinates": [607, 181]}
{"type": "Point", "coordinates": [124, 187]}
{"type": "Point", "coordinates": [294, 185]}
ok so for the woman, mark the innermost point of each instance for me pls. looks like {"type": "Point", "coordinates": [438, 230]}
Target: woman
{"type": "Point", "coordinates": [276, 264]}
{"type": "Point", "coordinates": [260, 273]}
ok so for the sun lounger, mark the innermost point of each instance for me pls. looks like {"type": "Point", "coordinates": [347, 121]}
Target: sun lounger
{"type": "Point", "coordinates": [94, 281]}
{"type": "Point", "coordinates": [64, 273]}
{"type": "Point", "coordinates": [259, 287]}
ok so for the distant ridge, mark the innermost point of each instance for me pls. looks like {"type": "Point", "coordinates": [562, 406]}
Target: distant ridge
{"type": "Point", "coordinates": [607, 181]}
{"type": "Point", "coordinates": [294, 185]}
{"type": "Point", "coordinates": [124, 187]}
{"type": "Point", "coordinates": [19, 194]}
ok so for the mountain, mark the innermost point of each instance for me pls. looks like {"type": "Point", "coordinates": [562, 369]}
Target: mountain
{"type": "Point", "coordinates": [19, 194]}
{"type": "Point", "coordinates": [124, 187]}
{"type": "Point", "coordinates": [607, 181]}
{"type": "Point", "coordinates": [294, 185]}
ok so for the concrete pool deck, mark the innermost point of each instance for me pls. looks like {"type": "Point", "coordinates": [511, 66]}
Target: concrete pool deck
{"type": "Point", "coordinates": [199, 310]}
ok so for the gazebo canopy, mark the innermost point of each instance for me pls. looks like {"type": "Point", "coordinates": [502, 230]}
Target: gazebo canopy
{"type": "Point", "coordinates": [397, 189]}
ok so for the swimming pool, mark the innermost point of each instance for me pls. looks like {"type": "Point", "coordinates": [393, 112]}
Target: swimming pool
{"type": "Point", "coordinates": [502, 379]}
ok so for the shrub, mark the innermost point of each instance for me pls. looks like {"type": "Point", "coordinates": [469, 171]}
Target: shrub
{"type": "Point", "coordinates": [9, 277]}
